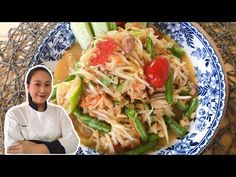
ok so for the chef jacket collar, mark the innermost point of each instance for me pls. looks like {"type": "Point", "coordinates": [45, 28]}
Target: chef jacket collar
{"type": "Point", "coordinates": [33, 105]}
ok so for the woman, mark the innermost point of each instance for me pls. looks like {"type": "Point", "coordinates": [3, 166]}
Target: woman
{"type": "Point", "coordinates": [37, 126]}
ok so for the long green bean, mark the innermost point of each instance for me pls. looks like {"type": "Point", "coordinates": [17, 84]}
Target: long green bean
{"type": "Point", "coordinates": [120, 86]}
{"type": "Point", "coordinates": [149, 145]}
{"type": "Point", "coordinates": [192, 107]}
{"type": "Point", "coordinates": [92, 122]}
{"type": "Point", "coordinates": [131, 113]}
{"type": "Point", "coordinates": [182, 106]}
{"type": "Point", "coordinates": [177, 51]}
{"type": "Point", "coordinates": [54, 94]}
{"type": "Point", "coordinates": [169, 88]}
{"type": "Point", "coordinates": [175, 126]}
{"type": "Point", "coordinates": [113, 26]}
{"type": "Point", "coordinates": [149, 47]}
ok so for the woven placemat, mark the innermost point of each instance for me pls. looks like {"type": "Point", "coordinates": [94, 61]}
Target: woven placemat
{"type": "Point", "coordinates": [15, 57]}
{"type": "Point", "coordinates": [23, 41]}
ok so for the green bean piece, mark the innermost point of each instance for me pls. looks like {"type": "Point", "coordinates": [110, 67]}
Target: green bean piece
{"type": "Point", "coordinates": [108, 26]}
{"type": "Point", "coordinates": [136, 33]}
{"type": "Point", "coordinates": [192, 107]}
{"type": "Point", "coordinates": [92, 122]}
{"type": "Point", "coordinates": [169, 88]}
{"type": "Point", "coordinates": [105, 81]}
{"type": "Point", "coordinates": [54, 94]}
{"type": "Point", "coordinates": [149, 47]}
{"type": "Point", "coordinates": [140, 128]}
{"type": "Point", "coordinates": [177, 51]}
{"type": "Point", "coordinates": [120, 86]}
{"type": "Point", "coordinates": [182, 106]}
{"type": "Point", "coordinates": [185, 92]}
{"type": "Point", "coordinates": [131, 113]}
{"type": "Point", "coordinates": [149, 145]}
{"type": "Point", "coordinates": [112, 26]}
{"type": "Point", "coordinates": [69, 78]}
{"type": "Point", "coordinates": [116, 103]}
{"type": "Point", "coordinates": [175, 126]}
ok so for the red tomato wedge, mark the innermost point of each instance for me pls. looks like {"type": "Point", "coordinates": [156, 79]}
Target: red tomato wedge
{"type": "Point", "coordinates": [102, 52]}
{"type": "Point", "coordinates": [157, 72]}
{"type": "Point", "coordinates": [158, 35]}
{"type": "Point", "coordinates": [119, 23]}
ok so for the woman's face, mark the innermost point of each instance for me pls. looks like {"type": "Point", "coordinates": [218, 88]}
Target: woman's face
{"type": "Point", "coordinates": [40, 87]}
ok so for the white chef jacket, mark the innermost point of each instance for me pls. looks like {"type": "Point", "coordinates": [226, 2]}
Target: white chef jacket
{"type": "Point", "coordinates": [22, 122]}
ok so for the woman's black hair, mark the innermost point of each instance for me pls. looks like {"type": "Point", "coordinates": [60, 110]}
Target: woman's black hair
{"type": "Point", "coordinates": [34, 70]}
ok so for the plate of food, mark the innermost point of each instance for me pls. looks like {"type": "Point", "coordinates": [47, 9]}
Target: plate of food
{"type": "Point", "coordinates": [137, 87]}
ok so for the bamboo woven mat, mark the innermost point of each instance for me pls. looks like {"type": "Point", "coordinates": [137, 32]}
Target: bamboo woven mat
{"type": "Point", "coordinates": [23, 41]}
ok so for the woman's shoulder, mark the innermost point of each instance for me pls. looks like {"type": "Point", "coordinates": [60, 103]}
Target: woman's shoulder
{"type": "Point", "coordinates": [16, 111]}
{"type": "Point", "coordinates": [18, 107]}
{"type": "Point", "coordinates": [56, 107]}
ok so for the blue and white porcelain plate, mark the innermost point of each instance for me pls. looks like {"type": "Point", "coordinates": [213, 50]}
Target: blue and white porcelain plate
{"type": "Point", "coordinates": [211, 80]}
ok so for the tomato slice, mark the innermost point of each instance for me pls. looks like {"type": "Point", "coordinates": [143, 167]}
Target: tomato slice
{"type": "Point", "coordinates": [158, 35]}
{"type": "Point", "coordinates": [157, 72]}
{"type": "Point", "coordinates": [102, 52]}
{"type": "Point", "coordinates": [119, 23]}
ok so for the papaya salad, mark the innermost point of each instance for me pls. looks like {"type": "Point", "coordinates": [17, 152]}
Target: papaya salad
{"type": "Point", "coordinates": [132, 90]}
